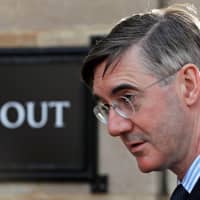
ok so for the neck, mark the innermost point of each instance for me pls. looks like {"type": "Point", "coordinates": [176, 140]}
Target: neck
{"type": "Point", "coordinates": [193, 149]}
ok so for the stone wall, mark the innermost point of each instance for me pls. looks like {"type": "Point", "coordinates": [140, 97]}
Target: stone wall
{"type": "Point", "coordinates": [62, 22]}
{"type": "Point", "coordinates": [44, 23]}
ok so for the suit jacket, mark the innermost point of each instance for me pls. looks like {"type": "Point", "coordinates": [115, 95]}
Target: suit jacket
{"type": "Point", "coordinates": [195, 194]}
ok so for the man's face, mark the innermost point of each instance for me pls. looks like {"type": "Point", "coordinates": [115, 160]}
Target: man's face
{"type": "Point", "coordinates": [154, 133]}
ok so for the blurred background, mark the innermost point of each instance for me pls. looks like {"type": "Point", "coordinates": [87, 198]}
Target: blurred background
{"type": "Point", "coordinates": [65, 23]}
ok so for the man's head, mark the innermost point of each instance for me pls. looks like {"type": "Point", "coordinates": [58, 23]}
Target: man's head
{"type": "Point", "coordinates": [146, 79]}
{"type": "Point", "coordinates": [167, 38]}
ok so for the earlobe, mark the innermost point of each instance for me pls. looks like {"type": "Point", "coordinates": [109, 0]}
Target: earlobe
{"type": "Point", "coordinates": [189, 80]}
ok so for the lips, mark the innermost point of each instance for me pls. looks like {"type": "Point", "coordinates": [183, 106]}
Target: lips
{"type": "Point", "coordinates": [136, 147]}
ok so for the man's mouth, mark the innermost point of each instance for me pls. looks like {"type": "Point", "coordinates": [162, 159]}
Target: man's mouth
{"type": "Point", "coordinates": [136, 147]}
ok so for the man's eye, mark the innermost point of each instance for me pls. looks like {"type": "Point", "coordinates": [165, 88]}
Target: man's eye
{"type": "Point", "coordinates": [126, 100]}
{"type": "Point", "coordinates": [129, 97]}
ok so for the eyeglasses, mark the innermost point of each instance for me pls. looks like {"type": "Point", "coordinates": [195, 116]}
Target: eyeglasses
{"type": "Point", "coordinates": [122, 105]}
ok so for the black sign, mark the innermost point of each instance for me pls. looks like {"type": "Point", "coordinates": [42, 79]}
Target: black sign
{"type": "Point", "coordinates": [47, 129]}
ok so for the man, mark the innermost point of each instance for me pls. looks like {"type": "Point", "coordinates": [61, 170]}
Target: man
{"type": "Point", "coordinates": [146, 79]}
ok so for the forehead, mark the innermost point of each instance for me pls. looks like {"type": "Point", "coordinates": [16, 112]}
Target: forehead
{"type": "Point", "coordinates": [127, 71]}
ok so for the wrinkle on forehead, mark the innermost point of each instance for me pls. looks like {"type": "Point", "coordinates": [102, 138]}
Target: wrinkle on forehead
{"type": "Point", "coordinates": [126, 70]}
{"type": "Point", "coordinates": [131, 57]}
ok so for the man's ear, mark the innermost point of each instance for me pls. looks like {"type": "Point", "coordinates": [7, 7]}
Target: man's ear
{"type": "Point", "coordinates": [189, 83]}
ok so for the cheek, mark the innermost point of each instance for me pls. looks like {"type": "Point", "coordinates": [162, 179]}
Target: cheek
{"type": "Point", "coordinates": [151, 114]}
{"type": "Point", "coordinates": [163, 122]}
{"type": "Point", "coordinates": [160, 119]}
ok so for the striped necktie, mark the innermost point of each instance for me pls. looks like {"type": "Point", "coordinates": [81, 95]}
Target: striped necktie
{"type": "Point", "coordinates": [179, 193]}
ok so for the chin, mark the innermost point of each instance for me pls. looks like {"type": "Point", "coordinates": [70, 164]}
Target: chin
{"type": "Point", "coordinates": [146, 169]}
{"type": "Point", "coordinates": [147, 166]}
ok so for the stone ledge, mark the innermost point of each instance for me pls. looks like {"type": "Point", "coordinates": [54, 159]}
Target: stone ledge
{"type": "Point", "coordinates": [71, 36]}
{"type": "Point", "coordinates": [43, 196]}
{"type": "Point", "coordinates": [18, 39]}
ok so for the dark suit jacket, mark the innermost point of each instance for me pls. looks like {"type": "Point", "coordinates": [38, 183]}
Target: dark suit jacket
{"type": "Point", "coordinates": [195, 194]}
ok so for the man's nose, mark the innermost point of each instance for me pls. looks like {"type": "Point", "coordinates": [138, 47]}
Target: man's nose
{"type": "Point", "coordinates": [118, 125]}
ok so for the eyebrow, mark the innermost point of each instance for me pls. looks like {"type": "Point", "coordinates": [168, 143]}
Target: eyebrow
{"type": "Point", "coordinates": [123, 86]}
{"type": "Point", "coordinates": [117, 89]}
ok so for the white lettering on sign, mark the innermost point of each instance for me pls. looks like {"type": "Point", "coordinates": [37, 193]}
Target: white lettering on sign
{"type": "Point", "coordinates": [27, 113]}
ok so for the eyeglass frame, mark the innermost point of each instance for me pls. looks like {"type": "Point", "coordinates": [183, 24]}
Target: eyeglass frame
{"type": "Point", "coordinates": [114, 104]}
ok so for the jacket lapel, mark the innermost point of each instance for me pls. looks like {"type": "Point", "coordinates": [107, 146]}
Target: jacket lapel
{"type": "Point", "coordinates": [195, 194]}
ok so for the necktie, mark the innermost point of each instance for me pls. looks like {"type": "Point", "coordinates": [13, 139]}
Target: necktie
{"type": "Point", "coordinates": [179, 193]}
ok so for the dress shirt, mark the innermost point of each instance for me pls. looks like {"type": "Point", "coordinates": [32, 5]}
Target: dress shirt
{"type": "Point", "coordinates": [192, 175]}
